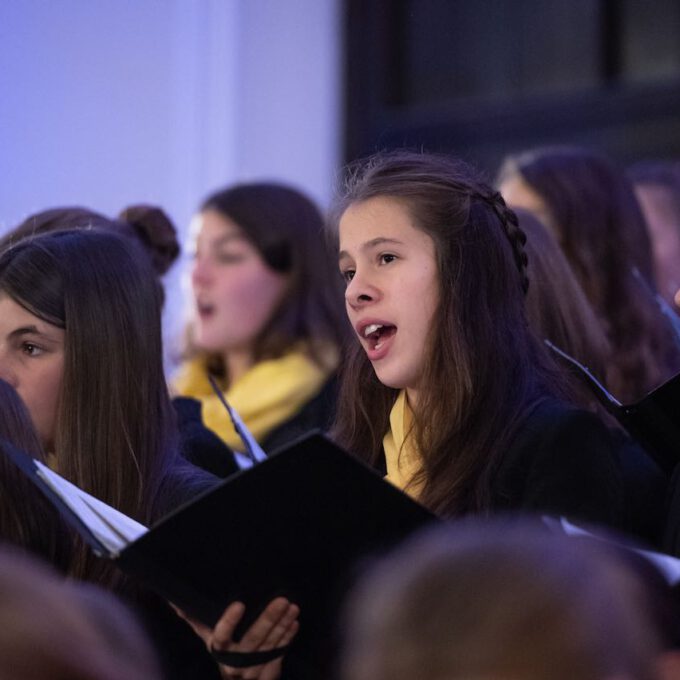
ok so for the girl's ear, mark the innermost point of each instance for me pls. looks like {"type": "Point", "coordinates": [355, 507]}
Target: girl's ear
{"type": "Point", "coordinates": [668, 665]}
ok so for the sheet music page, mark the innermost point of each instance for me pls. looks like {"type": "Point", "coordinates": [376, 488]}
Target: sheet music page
{"type": "Point", "coordinates": [127, 527]}
{"type": "Point", "coordinates": [112, 528]}
{"type": "Point", "coordinates": [669, 566]}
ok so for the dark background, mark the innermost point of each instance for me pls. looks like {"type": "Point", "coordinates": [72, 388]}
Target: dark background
{"type": "Point", "coordinates": [483, 78]}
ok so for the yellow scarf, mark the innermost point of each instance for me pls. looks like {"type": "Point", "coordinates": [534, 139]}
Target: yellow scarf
{"type": "Point", "coordinates": [401, 456]}
{"type": "Point", "coordinates": [267, 395]}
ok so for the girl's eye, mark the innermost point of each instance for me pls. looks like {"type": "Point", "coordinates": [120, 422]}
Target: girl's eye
{"type": "Point", "coordinates": [230, 258]}
{"type": "Point", "coordinates": [386, 258]}
{"type": "Point", "coordinates": [31, 350]}
{"type": "Point", "coordinates": [347, 275]}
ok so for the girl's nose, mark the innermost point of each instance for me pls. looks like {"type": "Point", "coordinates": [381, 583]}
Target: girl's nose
{"type": "Point", "coordinates": [360, 291]}
{"type": "Point", "coordinates": [201, 273]}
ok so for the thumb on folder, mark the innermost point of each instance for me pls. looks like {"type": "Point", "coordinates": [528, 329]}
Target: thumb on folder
{"type": "Point", "coordinates": [258, 654]}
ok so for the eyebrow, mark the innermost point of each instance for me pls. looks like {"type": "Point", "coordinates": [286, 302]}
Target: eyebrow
{"type": "Point", "coordinates": [31, 330]}
{"type": "Point", "coordinates": [369, 245]}
{"type": "Point", "coordinates": [221, 240]}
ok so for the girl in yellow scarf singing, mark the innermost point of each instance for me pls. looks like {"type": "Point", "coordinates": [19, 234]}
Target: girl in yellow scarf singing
{"type": "Point", "coordinates": [267, 317]}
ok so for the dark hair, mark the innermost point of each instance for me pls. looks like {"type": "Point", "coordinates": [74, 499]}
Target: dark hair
{"type": "Point", "coordinates": [485, 368]}
{"type": "Point", "coordinates": [54, 219]}
{"type": "Point", "coordinates": [287, 230]}
{"type": "Point", "coordinates": [156, 232]}
{"type": "Point", "coordinates": [557, 308]}
{"type": "Point", "coordinates": [502, 599]}
{"type": "Point", "coordinates": [27, 519]}
{"type": "Point", "coordinates": [602, 232]}
{"type": "Point", "coordinates": [115, 435]}
{"type": "Point", "coordinates": [146, 223]}
{"type": "Point", "coordinates": [15, 422]}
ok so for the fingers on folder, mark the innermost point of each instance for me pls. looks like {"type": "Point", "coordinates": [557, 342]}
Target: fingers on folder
{"type": "Point", "coordinates": [273, 630]}
{"type": "Point", "coordinates": [257, 656]}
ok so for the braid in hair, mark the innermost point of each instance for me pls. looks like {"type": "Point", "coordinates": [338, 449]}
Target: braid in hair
{"type": "Point", "coordinates": [513, 232]}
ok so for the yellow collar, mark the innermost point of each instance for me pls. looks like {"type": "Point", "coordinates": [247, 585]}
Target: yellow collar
{"type": "Point", "coordinates": [401, 455]}
{"type": "Point", "coordinates": [266, 396]}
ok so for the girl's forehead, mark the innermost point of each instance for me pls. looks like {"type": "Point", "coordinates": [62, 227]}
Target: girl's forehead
{"type": "Point", "coordinates": [210, 227]}
{"type": "Point", "coordinates": [380, 212]}
{"type": "Point", "coordinates": [380, 218]}
{"type": "Point", "coordinates": [14, 316]}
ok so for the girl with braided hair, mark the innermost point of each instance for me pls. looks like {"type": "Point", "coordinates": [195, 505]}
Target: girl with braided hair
{"type": "Point", "coordinates": [446, 389]}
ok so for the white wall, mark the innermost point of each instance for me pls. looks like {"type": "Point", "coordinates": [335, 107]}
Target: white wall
{"type": "Point", "coordinates": [289, 94]}
{"type": "Point", "coordinates": [110, 102]}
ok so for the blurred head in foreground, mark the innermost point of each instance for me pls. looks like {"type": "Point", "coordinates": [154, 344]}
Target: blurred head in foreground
{"type": "Point", "coordinates": [505, 600]}
{"type": "Point", "coordinates": [54, 630]}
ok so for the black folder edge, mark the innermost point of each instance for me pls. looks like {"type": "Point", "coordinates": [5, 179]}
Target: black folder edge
{"type": "Point", "coordinates": [191, 600]}
{"type": "Point", "coordinates": [180, 594]}
{"type": "Point", "coordinates": [155, 575]}
{"type": "Point", "coordinates": [605, 397]}
{"type": "Point", "coordinates": [27, 465]}
{"type": "Point", "coordinates": [644, 420]}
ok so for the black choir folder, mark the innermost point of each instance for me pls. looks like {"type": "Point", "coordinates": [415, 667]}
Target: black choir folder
{"type": "Point", "coordinates": [296, 525]}
{"type": "Point", "coordinates": [654, 420]}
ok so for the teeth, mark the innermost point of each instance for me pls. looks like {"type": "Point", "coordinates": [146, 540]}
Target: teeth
{"type": "Point", "coordinates": [371, 329]}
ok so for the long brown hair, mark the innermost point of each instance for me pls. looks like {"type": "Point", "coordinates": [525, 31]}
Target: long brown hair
{"type": "Point", "coordinates": [485, 369]}
{"type": "Point", "coordinates": [286, 228]}
{"type": "Point", "coordinates": [116, 436]}
{"type": "Point", "coordinates": [600, 227]}
{"type": "Point", "coordinates": [558, 309]}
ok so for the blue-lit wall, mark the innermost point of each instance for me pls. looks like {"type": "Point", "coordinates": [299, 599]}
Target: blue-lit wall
{"type": "Point", "coordinates": [110, 102]}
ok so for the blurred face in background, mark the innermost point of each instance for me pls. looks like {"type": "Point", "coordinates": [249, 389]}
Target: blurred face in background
{"type": "Point", "coordinates": [235, 292]}
{"type": "Point", "coordinates": [518, 194]}
{"type": "Point", "coordinates": [664, 233]}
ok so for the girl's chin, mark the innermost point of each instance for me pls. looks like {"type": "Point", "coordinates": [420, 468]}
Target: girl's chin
{"type": "Point", "coordinates": [397, 382]}
{"type": "Point", "coordinates": [213, 344]}
{"type": "Point", "coordinates": [388, 380]}
{"type": "Point", "coordinates": [208, 344]}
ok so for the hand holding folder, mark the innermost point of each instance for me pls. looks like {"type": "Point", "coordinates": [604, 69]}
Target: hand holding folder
{"type": "Point", "coordinates": [292, 526]}
{"type": "Point", "coordinates": [295, 525]}
{"type": "Point", "coordinates": [262, 645]}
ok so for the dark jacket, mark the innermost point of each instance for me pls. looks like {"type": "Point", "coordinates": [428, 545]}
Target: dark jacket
{"type": "Point", "coordinates": [316, 414]}
{"type": "Point", "coordinates": [671, 543]}
{"type": "Point", "coordinates": [203, 448]}
{"type": "Point", "coordinates": [565, 461]}
{"type": "Point", "coordinates": [181, 652]}
{"type": "Point", "coordinates": [199, 445]}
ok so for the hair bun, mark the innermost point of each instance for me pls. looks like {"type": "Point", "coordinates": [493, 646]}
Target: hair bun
{"type": "Point", "coordinates": [156, 231]}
